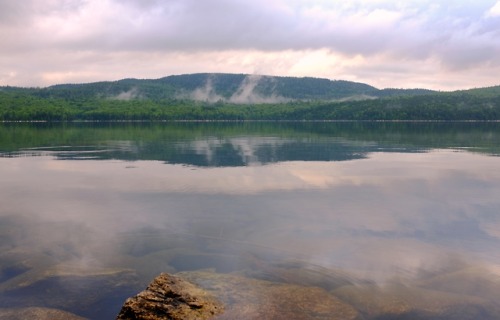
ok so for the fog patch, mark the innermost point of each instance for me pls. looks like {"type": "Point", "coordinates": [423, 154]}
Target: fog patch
{"type": "Point", "coordinates": [127, 95]}
{"type": "Point", "coordinates": [254, 89]}
{"type": "Point", "coordinates": [359, 97]}
{"type": "Point", "coordinates": [206, 93]}
{"type": "Point", "coordinates": [247, 93]}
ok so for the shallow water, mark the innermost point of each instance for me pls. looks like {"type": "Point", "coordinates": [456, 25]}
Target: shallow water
{"type": "Point", "coordinates": [90, 213]}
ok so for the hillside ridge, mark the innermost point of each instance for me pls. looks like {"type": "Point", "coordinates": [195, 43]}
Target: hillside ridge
{"type": "Point", "coordinates": [237, 97]}
{"type": "Point", "coordinates": [227, 87]}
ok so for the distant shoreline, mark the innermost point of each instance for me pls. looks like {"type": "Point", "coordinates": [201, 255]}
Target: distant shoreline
{"type": "Point", "coordinates": [249, 120]}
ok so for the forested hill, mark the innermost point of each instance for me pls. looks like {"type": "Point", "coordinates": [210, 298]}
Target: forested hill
{"type": "Point", "coordinates": [242, 97]}
{"type": "Point", "coordinates": [213, 87]}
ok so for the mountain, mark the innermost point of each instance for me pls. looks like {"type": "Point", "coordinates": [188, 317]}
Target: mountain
{"type": "Point", "coordinates": [487, 92]}
{"type": "Point", "coordinates": [241, 86]}
{"type": "Point", "coordinates": [218, 96]}
{"type": "Point", "coordinates": [213, 87]}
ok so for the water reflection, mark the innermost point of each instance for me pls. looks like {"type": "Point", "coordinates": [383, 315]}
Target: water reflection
{"type": "Point", "coordinates": [229, 144]}
{"type": "Point", "coordinates": [411, 227]}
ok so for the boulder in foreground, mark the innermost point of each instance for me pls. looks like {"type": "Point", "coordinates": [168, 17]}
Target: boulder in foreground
{"type": "Point", "coordinates": [36, 313]}
{"type": "Point", "coordinates": [170, 297]}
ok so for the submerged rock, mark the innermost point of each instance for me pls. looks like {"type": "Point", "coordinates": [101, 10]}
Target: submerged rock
{"type": "Point", "coordinates": [88, 292]}
{"type": "Point", "coordinates": [170, 297]}
{"type": "Point", "coordinates": [397, 301]}
{"type": "Point", "coordinates": [251, 298]}
{"type": "Point", "coordinates": [246, 298]}
{"type": "Point", "coordinates": [36, 313]}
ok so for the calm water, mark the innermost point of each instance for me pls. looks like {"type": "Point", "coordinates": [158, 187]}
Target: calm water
{"type": "Point", "coordinates": [89, 213]}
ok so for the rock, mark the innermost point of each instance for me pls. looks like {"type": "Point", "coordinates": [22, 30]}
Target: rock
{"type": "Point", "coordinates": [246, 298]}
{"type": "Point", "coordinates": [302, 274]}
{"type": "Point", "coordinates": [398, 301]}
{"type": "Point", "coordinates": [170, 297]}
{"type": "Point", "coordinates": [36, 313]}
{"type": "Point", "coordinates": [88, 292]}
{"type": "Point", "coordinates": [473, 281]}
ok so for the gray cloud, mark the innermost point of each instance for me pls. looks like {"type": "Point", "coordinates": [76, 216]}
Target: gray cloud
{"type": "Point", "coordinates": [453, 36]}
{"type": "Point", "coordinates": [222, 24]}
{"type": "Point", "coordinates": [225, 25]}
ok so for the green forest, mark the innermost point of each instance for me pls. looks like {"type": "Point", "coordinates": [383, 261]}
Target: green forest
{"type": "Point", "coordinates": [171, 99]}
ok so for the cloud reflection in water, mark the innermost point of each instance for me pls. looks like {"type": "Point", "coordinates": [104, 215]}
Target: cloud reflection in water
{"type": "Point", "coordinates": [390, 215]}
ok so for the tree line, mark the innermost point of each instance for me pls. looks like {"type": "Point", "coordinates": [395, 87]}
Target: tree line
{"type": "Point", "coordinates": [31, 105]}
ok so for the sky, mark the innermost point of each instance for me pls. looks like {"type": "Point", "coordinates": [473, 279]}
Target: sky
{"type": "Point", "coordinates": [441, 45]}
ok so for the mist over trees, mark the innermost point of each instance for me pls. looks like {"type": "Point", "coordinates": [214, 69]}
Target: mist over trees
{"type": "Point", "coordinates": [242, 97]}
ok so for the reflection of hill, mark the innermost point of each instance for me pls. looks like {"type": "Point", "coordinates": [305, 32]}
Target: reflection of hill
{"type": "Point", "coordinates": [241, 144]}
{"type": "Point", "coordinates": [230, 153]}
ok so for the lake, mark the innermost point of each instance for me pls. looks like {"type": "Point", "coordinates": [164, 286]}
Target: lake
{"type": "Point", "coordinates": [393, 220]}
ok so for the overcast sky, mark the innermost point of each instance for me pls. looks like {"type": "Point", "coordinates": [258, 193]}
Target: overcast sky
{"type": "Point", "coordinates": [437, 44]}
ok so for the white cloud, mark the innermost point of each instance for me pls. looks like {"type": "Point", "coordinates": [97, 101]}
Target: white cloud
{"type": "Point", "coordinates": [494, 11]}
{"type": "Point", "coordinates": [93, 40]}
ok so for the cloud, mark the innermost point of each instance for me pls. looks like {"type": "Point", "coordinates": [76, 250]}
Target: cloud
{"type": "Point", "coordinates": [228, 25]}
{"type": "Point", "coordinates": [494, 11]}
{"type": "Point", "coordinates": [456, 37]}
